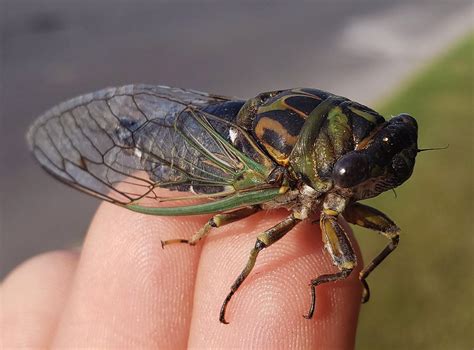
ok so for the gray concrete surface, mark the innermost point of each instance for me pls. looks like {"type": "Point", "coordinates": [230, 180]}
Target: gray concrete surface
{"type": "Point", "coordinates": [52, 50]}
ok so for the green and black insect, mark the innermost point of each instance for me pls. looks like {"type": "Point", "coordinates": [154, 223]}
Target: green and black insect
{"type": "Point", "coordinates": [305, 150]}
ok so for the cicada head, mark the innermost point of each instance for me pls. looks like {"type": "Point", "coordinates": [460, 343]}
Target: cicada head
{"type": "Point", "coordinates": [382, 161]}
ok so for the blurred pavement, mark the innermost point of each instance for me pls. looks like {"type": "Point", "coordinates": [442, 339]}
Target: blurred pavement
{"type": "Point", "coordinates": [52, 50]}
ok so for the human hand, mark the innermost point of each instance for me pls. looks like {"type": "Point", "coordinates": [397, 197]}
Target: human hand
{"type": "Point", "coordinates": [124, 291]}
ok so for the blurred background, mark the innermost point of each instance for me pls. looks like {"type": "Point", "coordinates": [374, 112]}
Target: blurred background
{"type": "Point", "coordinates": [396, 56]}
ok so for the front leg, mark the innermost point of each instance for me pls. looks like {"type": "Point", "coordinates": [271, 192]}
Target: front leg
{"type": "Point", "coordinates": [365, 216]}
{"type": "Point", "coordinates": [339, 247]}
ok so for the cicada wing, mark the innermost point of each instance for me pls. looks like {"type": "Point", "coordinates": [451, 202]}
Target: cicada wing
{"type": "Point", "coordinates": [121, 144]}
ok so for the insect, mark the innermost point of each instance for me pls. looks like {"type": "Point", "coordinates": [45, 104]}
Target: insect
{"type": "Point", "coordinates": [169, 151]}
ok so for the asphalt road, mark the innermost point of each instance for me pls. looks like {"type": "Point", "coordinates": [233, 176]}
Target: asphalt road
{"type": "Point", "coordinates": [52, 50]}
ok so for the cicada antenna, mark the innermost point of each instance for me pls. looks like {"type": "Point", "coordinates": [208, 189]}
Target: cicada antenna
{"type": "Point", "coordinates": [432, 149]}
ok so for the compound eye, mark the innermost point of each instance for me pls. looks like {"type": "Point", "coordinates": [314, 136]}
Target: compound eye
{"type": "Point", "coordinates": [350, 170]}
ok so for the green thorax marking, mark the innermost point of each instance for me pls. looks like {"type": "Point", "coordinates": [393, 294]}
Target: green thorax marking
{"type": "Point", "coordinates": [313, 153]}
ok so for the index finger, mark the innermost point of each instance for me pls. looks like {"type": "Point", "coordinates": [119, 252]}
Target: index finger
{"type": "Point", "coordinates": [128, 292]}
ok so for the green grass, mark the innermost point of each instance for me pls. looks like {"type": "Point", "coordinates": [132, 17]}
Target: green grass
{"type": "Point", "coordinates": [423, 294]}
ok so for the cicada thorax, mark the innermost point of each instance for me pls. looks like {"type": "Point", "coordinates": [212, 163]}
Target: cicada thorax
{"type": "Point", "coordinates": [276, 118]}
{"type": "Point", "coordinates": [307, 129]}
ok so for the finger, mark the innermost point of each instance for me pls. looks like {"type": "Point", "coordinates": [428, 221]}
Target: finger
{"type": "Point", "coordinates": [33, 296]}
{"type": "Point", "coordinates": [128, 291]}
{"type": "Point", "coordinates": [267, 311]}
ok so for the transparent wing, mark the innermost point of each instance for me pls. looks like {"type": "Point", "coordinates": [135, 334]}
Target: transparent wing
{"type": "Point", "coordinates": [121, 144]}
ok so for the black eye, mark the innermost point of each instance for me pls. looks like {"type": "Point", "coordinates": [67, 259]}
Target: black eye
{"type": "Point", "coordinates": [350, 170]}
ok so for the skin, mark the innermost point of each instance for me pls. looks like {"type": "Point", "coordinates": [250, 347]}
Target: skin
{"type": "Point", "coordinates": [124, 291]}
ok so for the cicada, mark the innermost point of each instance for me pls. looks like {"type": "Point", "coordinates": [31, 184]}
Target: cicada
{"type": "Point", "coordinates": [167, 151]}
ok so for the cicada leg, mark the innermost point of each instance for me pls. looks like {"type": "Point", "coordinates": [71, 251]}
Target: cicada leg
{"type": "Point", "coordinates": [365, 216]}
{"type": "Point", "coordinates": [216, 221]}
{"type": "Point", "coordinates": [264, 240]}
{"type": "Point", "coordinates": [339, 247]}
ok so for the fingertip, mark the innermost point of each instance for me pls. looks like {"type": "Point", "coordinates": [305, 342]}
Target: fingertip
{"type": "Point", "coordinates": [267, 310]}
